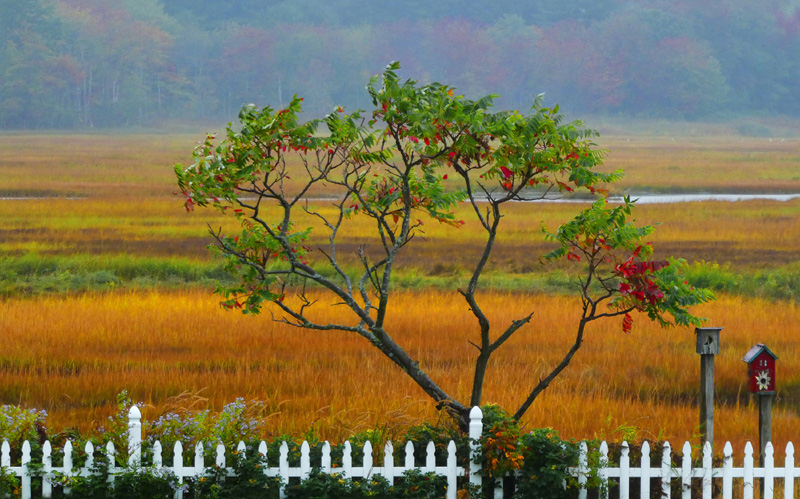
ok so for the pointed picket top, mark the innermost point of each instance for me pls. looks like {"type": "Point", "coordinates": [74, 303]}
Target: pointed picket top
{"type": "Point", "coordinates": [5, 454]}
{"type": "Point", "coordinates": [347, 460]}
{"type": "Point", "coordinates": [624, 470]}
{"type": "Point", "coordinates": [68, 456]}
{"type": "Point", "coordinates": [326, 457]}
{"type": "Point", "coordinates": [283, 465]}
{"type": "Point", "coordinates": [790, 449]}
{"type": "Point", "coordinates": [262, 448]}
{"type": "Point", "coordinates": [305, 460]}
{"type": "Point", "coordinates": [26, 450]}
{"type": "Point", "coordinates": [47, 467]}
{"type": "Point", "coordinates": [111, 451]}
{"type": "Point", "coordinates": [367, 467]}
{"type": "Point", "coordinates": [88, 449]}
{"type": "Point", "coordinates": [409, 462]}
{"type": "Point", "coordinates": [451, 453]}
{"type": "Point", "coordinates": [583, 468]}
{"type": "Point", "coordinates": [686, 471]}
{"type": "Point", "coordinates": [242, 448]}
{"type": "Point", "coordinates": [388, 453]}
{"type": "Point", "coordinates": [727, 471]}
{"type": "Point", "coordinates": [604, 452]}
{"type": "Point", "coordinates": [177, 457]}
{"type": "Point", "coordinates": [430, 457]}
{"type": "Point", "coordinates": [388, 461]}
{"type": "Point", "coordinates": [220, 458]}
{"type": "Point", "coordinates": [748, 450]}
{"type": "Point", "coordinates": [199, 463]}
{"type": "Point", "coordinates": [158, 460]}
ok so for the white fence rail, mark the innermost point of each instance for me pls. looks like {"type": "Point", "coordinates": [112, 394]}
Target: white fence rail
{"type": "Point", "coordinates": [663, 473]}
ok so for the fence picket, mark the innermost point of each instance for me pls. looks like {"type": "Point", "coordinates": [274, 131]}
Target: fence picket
{"type": "Point", "coordinates": [644, 481]}
{"type": "Point", "coordinates": [666, 471]}
{"type": "Point", "coordinates": [25, 481]}
{"type": "Point", "coordinates": [347, 460]}
{"type": "Point", "coordinates": [707, 472]}
{"type": "Point", "coordinates": [47, 469]}
{"type": "Point", "coordinates": [430, 458]}
{"type": "Point", "coordinates": [89, 450]}
{"type": "Point", "coordinates": [624, 471]}
{"type": "Point", "coordinates": [158, 460]}
{"type": "Point", "coordinates": [366, 468]}
{"type": "Point", "coordinates": [727, 471]}
{"type": "Point", "coordinates": [748, 471]}
{"type": "Point", "coordinates": [5, 454]}
{"type": "Point", "coordinates": [111, 454]}
{"type": "Point", "coordinates": [583, 469]}
{"type": "Point", "coordinates": [283, 467]}
{"type": "Point", "coordinates": [67, 468]}
{"type": "Point", "coordinates": [788, 482]}
{"type": "Point", "coordinates": [177, 468]}
{"type": "Point", "coordinates": [452, 471]}
{"type": "Point", "coordinates": [602, 468]}
{"type": "Point", "coordinates": [220, 458]}
{"type": "Point", "coordinates": [326, 457]}
{"type": "Point", "coordinates": [388, 462]}
{"type": "Point", "coordinates": [686, 472]}
{"type": "Point", "coordinates": [769, 472]}
{"type": "Point", "coordinates": [409, 455]}
{"type": "Point", "coordinates": [305, 461]}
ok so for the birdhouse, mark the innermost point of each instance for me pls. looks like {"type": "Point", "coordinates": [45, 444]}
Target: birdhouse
{"type": "Point", "coordinates": [708, 340]}
{"type": "Point", "coordinates": [761, 369]}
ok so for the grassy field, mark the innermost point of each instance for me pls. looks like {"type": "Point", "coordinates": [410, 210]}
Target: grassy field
{"type": "Point", "coordinates": [96, 253]}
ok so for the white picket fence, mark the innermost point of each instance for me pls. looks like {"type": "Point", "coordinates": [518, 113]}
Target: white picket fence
{"type": "Point", "coordinates": [620, 476]}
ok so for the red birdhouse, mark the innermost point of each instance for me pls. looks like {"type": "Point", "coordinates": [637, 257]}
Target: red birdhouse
{"type": "Point", "coordinates": [761, 369]}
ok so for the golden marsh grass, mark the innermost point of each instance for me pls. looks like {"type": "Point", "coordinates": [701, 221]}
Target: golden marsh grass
{"type": "Point", "coordinates": [72, 355]}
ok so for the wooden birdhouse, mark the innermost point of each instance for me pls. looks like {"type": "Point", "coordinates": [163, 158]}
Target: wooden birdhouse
{"type": "Point", "coordinates": [708, 340]}
{"type": "Point", "coordinates": [761, 369]}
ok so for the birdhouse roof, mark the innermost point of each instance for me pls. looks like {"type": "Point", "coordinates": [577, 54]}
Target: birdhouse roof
{"type": "Point", "coordinates": [756, 351]}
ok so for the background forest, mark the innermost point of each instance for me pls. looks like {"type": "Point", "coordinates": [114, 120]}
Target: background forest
{"type": "Point", "coordinates": [97, 63]}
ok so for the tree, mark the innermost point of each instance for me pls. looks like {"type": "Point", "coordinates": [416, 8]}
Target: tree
{"type": "Point", "coordinates": [390, 166]}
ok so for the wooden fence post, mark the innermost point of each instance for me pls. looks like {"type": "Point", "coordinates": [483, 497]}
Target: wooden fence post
{"type": "Point", "coordinates": [134, 436]}
{"type": "Point", "coordinates": [475, 430]}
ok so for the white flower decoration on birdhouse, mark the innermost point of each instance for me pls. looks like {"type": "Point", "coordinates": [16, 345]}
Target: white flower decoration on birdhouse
{"type": "Point", "coordinates": [762, 380]}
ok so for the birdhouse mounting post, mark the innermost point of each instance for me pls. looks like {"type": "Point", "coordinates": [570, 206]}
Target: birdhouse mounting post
{"type": "Point", "coordinates": [707, 347]}
{"type": "Point", "coordinates": [761, 375]}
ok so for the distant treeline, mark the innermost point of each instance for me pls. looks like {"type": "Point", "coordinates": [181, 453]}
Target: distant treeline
{"type": "Point", "coordinates": [101, 63]}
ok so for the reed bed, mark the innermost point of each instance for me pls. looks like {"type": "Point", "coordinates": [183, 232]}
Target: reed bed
{"type": "Point", "coordinates": [72, 354]}
{"type": "Point", "coordinates": [748, 234]}
{"type": "Point", "coordinates": [91, 200]}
